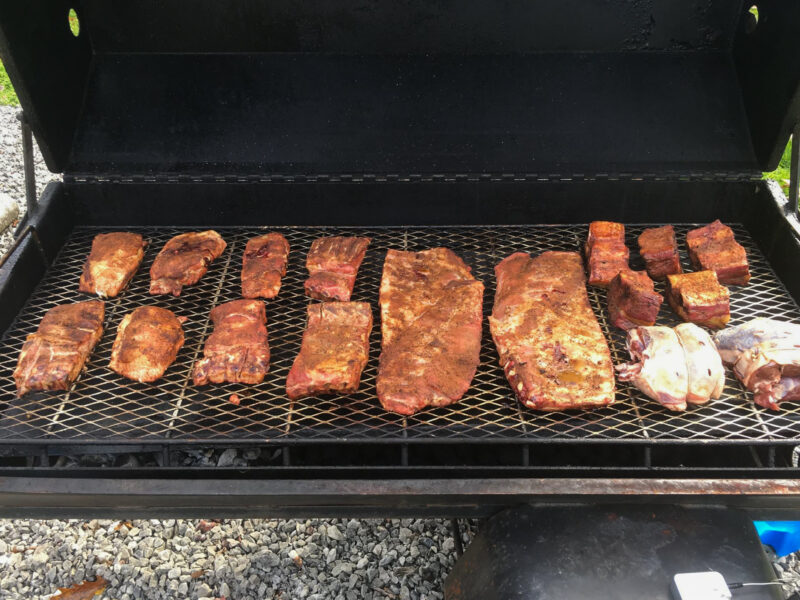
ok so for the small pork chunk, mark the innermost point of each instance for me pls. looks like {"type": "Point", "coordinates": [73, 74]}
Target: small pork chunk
{"type": "Point", "coordinates": [238, 350]}
{"type": "Point", "coordinates": [147, 342]}
{"type": "Point", "coordinates": [263, 265]}
{"type": "Point", "coordinates": [606, 252]}
{"type": "Point", "coordinates": [706, 373]}
{"type": "Point", "coordinates": [659, 249]}
{"type": "Point", "coordinates": [334, 350]}
{"type": "Point", "coordinates": [52, 358]}
{"type": "Point", "coordinates": [183, 261]}
{"type": "Point", "coordinates": [632, 300]}
{"type": "Point", "coordinates": [332, 265]}
{"type": "Point", "coordinates": [714, 248]}
{"type": "Point", "coordinates": [699, 298]}
{"type": "Point", "coordinates": [112, 263]}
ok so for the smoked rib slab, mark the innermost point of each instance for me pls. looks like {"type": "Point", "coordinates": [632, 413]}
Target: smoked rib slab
{"type": "Point", "coordinates": [263, 265]}
{"type": "Point", "coordinates": [332, 265]}
{"type": "Point", "coordinates": [147, 342]}
{"type": "Point", "coordinates": [550, 344]}
{"type": "Point", "coordinates": [112, 263]}
{"type": "Point", "coordinates": [431, 312]}
{"type": "Point", "coordinates": [238, 349]}
{"type": "Point", "coordinates": [183, 261]}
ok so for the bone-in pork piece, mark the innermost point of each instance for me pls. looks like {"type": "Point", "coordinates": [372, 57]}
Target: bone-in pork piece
{"type": "Point", "coordinates": [52, 358]}
{"type": "Point", "coordinates": [659, 366]}
{"type": "Point", "coordinates": [334, 350]}
{"type": "Point", "coordinates": [263, 265]}
{"type": "Point", "coordinates": [238, 350]}
{"type": "Point", "coordinates": [332, 264]}
{"type": "Point", "coordinates": [147, 342]}
{"type": "Point", "coordinates": [714, 248]}
{"type": "Point", "coordinates": [183, 261]}
{"type": "Point", "coordinates": [659, 249]}
{"type": "Point", "coordinates": [606, 252]}
{"type": "Point", "coordinates": [699, 298]}
{"type": "Point", "coordinates": [632, 300]}
{"type": "Point", "coordinates": [550, 344]}
{"type": "Point", "coordinates": [431, 313]}
{"type": "Point", "coordinates": [112, 263]}
{"type": "Point", "coordinates": [703, 362]}
{"type": "Point", "coordinates": [765, 356]}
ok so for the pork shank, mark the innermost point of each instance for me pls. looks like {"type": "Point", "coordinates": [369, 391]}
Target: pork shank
{"type": "Point", "coordinates": [183, 261]}
{"type": "Point", "coordinates": [699, 298]}
{"type": "Point", "coordinates": [715, 248]}
{"type": "Point", "coordinates": [112, 263]}
{"type": "Point", "coordinates": [659, 249]}
{"type": "Point", "coordinates": [703, 363]}
{"type": "Point", "coordinates": [550, 344]}
{"type": "Point", "coordinates": [334, 350]}
{"type": "Point", "coordinates": [606, 252]}
{"type": "Point", "coordinates": [52, 358]}
{"type": "Point", "coordinates": [147, 342]}
{"type": "Point", "coordinates": [632, 300]}
{"type": "Point", "coordinates": [332, 265]}
{"type": "Point", "coordinates": [238, 350]}
{"type": "Point", "coordinates": [263, 265]}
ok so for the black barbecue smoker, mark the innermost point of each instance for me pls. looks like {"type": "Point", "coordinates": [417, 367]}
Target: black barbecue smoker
{"type": "Point", "coordinates": [486, 127]}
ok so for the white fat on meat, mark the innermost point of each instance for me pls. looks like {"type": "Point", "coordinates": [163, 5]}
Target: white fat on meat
{"type": "Point", "coordinates": [706, 372]}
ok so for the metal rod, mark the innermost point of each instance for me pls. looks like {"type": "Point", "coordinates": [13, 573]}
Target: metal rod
{"type": "Point", "coordinates": [457, 537]}
{"type": "Point", "coordinates": [27, 158]}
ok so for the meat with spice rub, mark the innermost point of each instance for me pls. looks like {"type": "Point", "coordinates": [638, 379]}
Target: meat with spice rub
{"type": "Point", "coordinates": [699, 298]}
{"type": "Point", "coordinates": [147, 342]}
{"type": "Point", "coordinates": [112, 263]}
{"type": "Point", "coordinates": [659, 249]}
{"type": "Point", "coordinates": [263, 265]}
{"type": "Point", "coordinates": [632, 300]}
{"type": "Point", "coordinates": [183, 261]}
{"type": "Point", "coordinates": [714, 248]}
{"type": "Point", "coordinates": [332, 265]}
{"type": "Point", "coordinates": [606, 252]}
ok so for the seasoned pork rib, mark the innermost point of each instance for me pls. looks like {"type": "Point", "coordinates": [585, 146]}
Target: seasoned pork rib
{"type": "Point", "coordinates": [52, 358]}
{"type": "Point", "coordinates": [714, 248]}
{"type": "Point", "coordinates": [632, 300]}
{"type": "Point", "coordinates": [699, 298]}
{"type": "Point", "coordinates": [334, 351]}
{"type": "Point", "coordinates": [703, 362]}
{"type": "Point", "coordinates": [550, 343]}
{"type": "Point", "coordinates": [263, 265]}
{"type": "Point", "coordinates": [112, 263]}
{"type": "Point", "coordinates": [431, 312]}
{"type": "Point", "coordinates": [659, 249]}
{"type": "Point", "coordinates": [183, 261]}
{"type": "Point", "coordinates": [606, 252]}
{"type": "Point", "coordinates": [332, 264]}
{"type": "Point", "coordinates": [237, 351]}
{"type": "Point", "coordinates": [147, 342]}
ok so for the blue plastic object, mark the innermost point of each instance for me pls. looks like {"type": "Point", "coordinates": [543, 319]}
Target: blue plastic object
{"type": "Point", "coordinates": [783, 536]}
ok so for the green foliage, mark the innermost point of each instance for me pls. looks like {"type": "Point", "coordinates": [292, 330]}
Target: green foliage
{"type": "Point", "coordinates": [781, 174]}
{"type": "Point", "coordinates": [7, 95]}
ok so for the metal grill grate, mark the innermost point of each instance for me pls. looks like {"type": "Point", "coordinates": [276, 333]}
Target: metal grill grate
{"type": "Point", "coordinates": [104, 407]}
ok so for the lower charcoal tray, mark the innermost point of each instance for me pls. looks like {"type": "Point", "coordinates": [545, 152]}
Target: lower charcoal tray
{"type": "Point", "coordinates": [104, 407]}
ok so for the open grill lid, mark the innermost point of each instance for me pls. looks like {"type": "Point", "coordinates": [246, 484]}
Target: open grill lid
{"type": "Point", "coordinates": [258, 88]}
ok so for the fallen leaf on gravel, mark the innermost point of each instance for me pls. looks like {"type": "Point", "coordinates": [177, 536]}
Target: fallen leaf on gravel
{"type": "Point", "coordinates": [83, 591]}
{"type": "Point", "coordinates": [198, 573]}
{"type": "Point", "coordinates": [122, 524]}
{"type": "Point", "coordinates": [206, 526]}
{"type": "Point", "coordinates": [298, 560]}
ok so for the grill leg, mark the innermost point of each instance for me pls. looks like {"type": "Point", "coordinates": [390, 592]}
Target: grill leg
{"type": "Point", "coordinates": [457, 537]}
{"type": "Point", "coordinates": [27, 161]}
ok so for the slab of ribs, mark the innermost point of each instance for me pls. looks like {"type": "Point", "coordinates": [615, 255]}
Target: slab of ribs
{"type": "Point", "coordinates": [659, 249]}
{"type": "Point", "coordinates": [183, 261]}
{"type": "Point", "coordinates": [334, 350]}
{"type": "Point", "coordinates": [606, 252]}
{"type": "Point", "coordinates": [550, 344]}
{"type": "Point", "coordinates": [332, 265]}
{"type": "Point", "coordinates": [633, 300]}
{"type": "Point", "coordinates": [714, 248]}
{"type": "Point", "coordinates": [147, 342]}
{"type": "Point", "coordinates": [54, 355]}
{"type": "Point", "coordinates": [431, 313]}
{"type": "Point", "coordinates": [765, 356]}
{"type": "Point", "coordinates": [675, 367]}
{"type": "Point", "coordinates": [263, 265]}
{"type": "Point", "coordinates": [699, 298]}
{"type": "Point", "coordinates": [112, 263]}
{"type": "Point", "coordinates": [238, 350]}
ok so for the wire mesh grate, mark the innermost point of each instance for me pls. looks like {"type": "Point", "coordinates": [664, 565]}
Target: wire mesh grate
{"type": "Point", "coordinates": [103, 407]}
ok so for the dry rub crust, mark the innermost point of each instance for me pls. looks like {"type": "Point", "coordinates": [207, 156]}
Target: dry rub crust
{"type": "Point", "coordinates": [183, 261]}
{"type": "Point", "coordinates": [606, 252]}
{"type": "Point", "coordinates": [632, 300]}
{"type": "Point", "coordinates": [659, 249]}
{"type": "Point", "coordinates": [550, 344]}
{"type": "Point", "coordinates": [147, 342]}
{"type": "Point", "coordinates": [714, 248]}
{"type": "Point", "coordinates": [332, 265]}
{"type": "Point", "coordinates": [699, 298]}
{"type": "Point", "coordinates": [52, 358]}
{"type": "Point", "coordinates": [112, 263]}
{"type": "Point", "coordinates": [263, 265]}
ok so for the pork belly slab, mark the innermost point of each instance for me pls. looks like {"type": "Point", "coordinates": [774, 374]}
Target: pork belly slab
{"type": "Point", "coordinates": [263, 265]}
{"type": "Point", "coordinates": [431, 313]}
{"type": "Point", "coordinates": [659, 249]}
{"type": "Point", "coordinates": [238, 350]}
{"type": "Point", "coordinates": [52, 358]}
{"type": "Point", "coordinates": [632, 300]}
{"type": "Point", "coordinates": [147, 342]}
{"type": "Point", "coordinates": [334, 350]}
{"type": "Point", "coordinates": [699, 298]}
{"type": "Point", "coordinates": [765, 356]}
{"type": "Point", "coordinates": [332, 265]}
{"type": "Point", "coordinates": [112, 263]}
{"type": "Point", "coordinates": [183, 261]}
{"type": "Point", "coordinates": [714, 248]}
{"type": "Point", "coordinates": [606, 252]}
{"type": "Point", "coordinates": [550, 344]}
